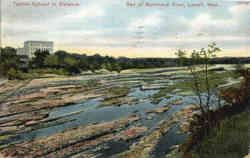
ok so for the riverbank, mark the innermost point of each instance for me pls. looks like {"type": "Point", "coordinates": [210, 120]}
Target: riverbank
{"type": "Point", "coordinates": [229, 140]}
{"type": "Point", "coordinates": [119, 116]}
{"type": "Point", "coordinates": [226, 131]}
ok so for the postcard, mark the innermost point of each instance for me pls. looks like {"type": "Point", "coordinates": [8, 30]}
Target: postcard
{"type": "Point", "coordinates": [124, 78]}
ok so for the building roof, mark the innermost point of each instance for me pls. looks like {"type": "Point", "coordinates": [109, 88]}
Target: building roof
{"type": "Point", "coordinates": [38, 42]}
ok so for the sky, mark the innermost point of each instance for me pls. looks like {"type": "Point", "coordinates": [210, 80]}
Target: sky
{"type": "Point", "coordinates": [131, 28]}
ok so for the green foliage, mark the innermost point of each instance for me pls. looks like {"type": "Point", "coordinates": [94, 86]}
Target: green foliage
{"type": "Point", "coordinates": [71, 64]}
{"type": "Point", "coordinates": [51, 61]}
{"type": "Point", "coordinates": [83, 64]}
{"type": "Point", "coordinates": [238, 68]}
{"type": "Point", "coordinates": [107, 66]}
{"type": "Point", "coordinates": [69, 61]}
{"type": "Point", "coordinates": [204, 85]}
{"type": "Point", "coordinates": [117, 67]}
{"type": "Point", "coordinates": [8, 60]}
{"type": "Point", "coordinates": [92, 68]}
{"type": "Point", "coordinates": [229, 140]}
{"type": "Point", "coordinates": [227, 134]}
{"type": "Point", "coordinates": [238, 96]}
{"type": "Point", "coordinates": [182, 59]}
{"type": "Point", "coordinates": [58, 71]}
{"type": "Point", "coordinates": [16, 74]}
{"type": "Point", "coordinates": [40, 56]}
{"type": "Point", "coordinates": [49, 71]}
{"type": "Point", "coordinates": [112, 67]}
{"type": "Point", "coordinates": [12, 74]}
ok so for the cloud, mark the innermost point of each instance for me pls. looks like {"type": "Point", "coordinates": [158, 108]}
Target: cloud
{"type": "Point", "coordinates": [106, 23]}
{"type": "Point", "coordinates": [143, 22]}
{"type": "Point", "coordinates": [236, 25]}
{"type": "Point", "coordinates": [89, 12]}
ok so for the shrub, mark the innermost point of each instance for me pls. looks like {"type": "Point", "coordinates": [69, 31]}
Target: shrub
{"type": "Point", "coordinates": [228, 140]}
{"type": "Point", "coordinates": [12, 74]}
{"type": "Point", "coordinates": [50, 71]}
{"type": "Point", "coordinates": [239, 96]}
{"type": "Point", "coordinates": [203, 82]}
{"type": "Point", "coordinates": [16, 74]}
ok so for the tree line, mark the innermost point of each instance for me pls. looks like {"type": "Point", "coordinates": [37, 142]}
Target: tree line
{"type": "Point", "coordinates": [63, 62]}
{"type": "Point", "coordinates": [13, 65]}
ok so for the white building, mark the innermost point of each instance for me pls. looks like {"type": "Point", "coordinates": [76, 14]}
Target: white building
{"type": "Point", "coordinates": [30, 47]}
{"type": "Point", "coordinates": [20, 51]}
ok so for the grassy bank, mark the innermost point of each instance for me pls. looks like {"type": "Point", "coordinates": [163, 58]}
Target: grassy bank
{"type": "Point", "coordinates": [229, 140]}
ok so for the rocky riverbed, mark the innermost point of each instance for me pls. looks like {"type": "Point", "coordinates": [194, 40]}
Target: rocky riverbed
{"type": "Point", "coordinates": [105, 115]}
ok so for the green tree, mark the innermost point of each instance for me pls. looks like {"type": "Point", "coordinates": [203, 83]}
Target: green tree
{"type": "Point", "coordinates": [95, 66]}
{"type": "Point", "coordinates": [116, 67]}
{"type": "Point", "coordinates": [40, 56]}
{"type": "Point", "coordinates": [92, 68]}
{"type": "Point", "coordinates": [69, 61]}
{"type": "Point", "coordinates": [8, 60]}
{"type": "Point", "coordinates": [12, 74]}
{"type": "Point", "coordinates": [204, 82]}
{"type": "Point", "coordinates": [71, 64]}
{"type": "Point", "coordinates": [83, 64]}
{"type": "Point", "coordinates": [107, 66]}
{"type": "Point", "coordinates": [51, 61]}
{"type": "Point", "coordinates": [182, 59]}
